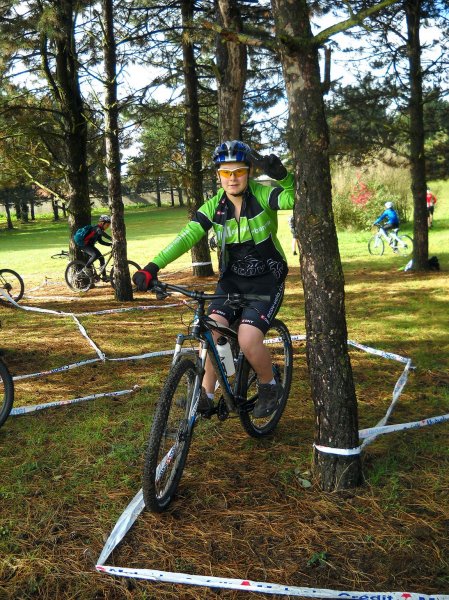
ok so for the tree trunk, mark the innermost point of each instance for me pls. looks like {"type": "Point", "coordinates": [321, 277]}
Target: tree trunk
{"type": "Point", "coordinates": [122, 279]}
{"type": "Point", "coordinates": [417, 156]}
{"type": "Point", "coordinates": [180, 197]}
{"type": "Point", "coordinates": [231, 69]}
{"type": "Point", "coordinates": [55, 207]}
{"type": "Point", "coordinates": [24, 211]}
{"type": "Point", "coordinates": [158, 193]}
{"type": "Point", "coordinates": [64, 85]}
{"type": "Point", "coordinates": [330, 370]}
{"type": "Point", "coordinates": [201, 259]}
{"type": "Point", "coordinates": [8, 216]}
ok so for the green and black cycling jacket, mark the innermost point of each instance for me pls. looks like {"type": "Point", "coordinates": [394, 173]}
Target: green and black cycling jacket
{"type": "Point", "coordinates": [257, 224]}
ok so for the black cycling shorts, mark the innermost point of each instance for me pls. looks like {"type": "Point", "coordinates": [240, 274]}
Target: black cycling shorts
{"type": "Point", "coordinates": [259, 314]}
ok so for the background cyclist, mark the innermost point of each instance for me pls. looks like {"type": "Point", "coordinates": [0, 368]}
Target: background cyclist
{"type": "Point", "coordinates": [96, 234]}
{"type": "Point", "coordinates": [243, 215]}
{"type": "Point", "coordinates": [391, 218]}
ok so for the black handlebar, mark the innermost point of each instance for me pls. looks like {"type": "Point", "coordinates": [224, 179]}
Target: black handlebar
{"type": "Point", "coordinates": [162, 291]}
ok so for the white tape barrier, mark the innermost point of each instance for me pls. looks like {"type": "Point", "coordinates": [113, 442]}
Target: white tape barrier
{"type": "Point", "coordinates": [134, 509]}
{"type": "Point", "coordinates": [21, 410]}
{"type": "Point", "coordinates": [136, 506]}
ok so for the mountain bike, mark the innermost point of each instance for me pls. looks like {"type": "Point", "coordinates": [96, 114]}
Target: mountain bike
{"type": "Point", "coordinates": [80, 278]}
{"type": "Point", "coordinates": [400, 244]}
{"type": "Point", "coordinates": [176, 413]}
{"type": "Point", "coordinates": [12, 283]}
{"type": "Point", "coordinates": [6, 391]}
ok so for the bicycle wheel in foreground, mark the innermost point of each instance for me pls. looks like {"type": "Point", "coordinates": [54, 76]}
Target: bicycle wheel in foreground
{"type": "Point", "coordinates": [405, 245]}
{"type": "Point", "coordinates": [12, 284]}
{"type": "Point", "coordinates": [280, 346]}
{"type": "Point", "coordinates": [376, 246]}
{"type": "Point", "coordinates": [76, 278]}
{"type": "Point", "coordinates": [133, 267]}
{"type": "Point", "coordinates": [6, 392]}
{"type": "Point", "coordinates": [170, 435]}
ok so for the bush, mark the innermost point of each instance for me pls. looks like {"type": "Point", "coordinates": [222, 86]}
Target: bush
{"type": "Point", "coordinates": [359, 195]}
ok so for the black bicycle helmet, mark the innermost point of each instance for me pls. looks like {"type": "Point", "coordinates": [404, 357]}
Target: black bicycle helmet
{"type": "Point", "coordinates": [232, 151]}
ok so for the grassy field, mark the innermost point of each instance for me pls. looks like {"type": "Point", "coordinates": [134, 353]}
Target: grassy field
{"type": "Point", "coordinates": [242, 510]}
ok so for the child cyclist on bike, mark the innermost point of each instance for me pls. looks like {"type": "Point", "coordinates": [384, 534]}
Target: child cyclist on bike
{"type": "Point", "coordinates": [391, 218]}
{"type": "Point", "coordinates": [90, 236]}
{"type": "Point", "coordinates": [243, 215]}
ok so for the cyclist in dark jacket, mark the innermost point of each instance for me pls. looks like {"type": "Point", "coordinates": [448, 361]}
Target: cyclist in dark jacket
{"type": "Point", "coordinates": [243, 215]}
{"type": "Point", "coordinates": [96, 234]}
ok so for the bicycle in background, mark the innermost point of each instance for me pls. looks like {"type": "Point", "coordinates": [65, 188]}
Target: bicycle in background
{"type": "Point", "coordinates": [400, 244]}
{"type": "Point", "coordinates": [12, 284]}
{"type": "Point", "coordinates": [176, 413]}
{"type": "Point", "coordinates": [6, 391]}
{"type": "Point", "coordinates": [80, 278]}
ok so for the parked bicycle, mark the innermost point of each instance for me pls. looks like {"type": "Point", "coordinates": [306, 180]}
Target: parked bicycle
{"type": "Point", "coordinates": [62, 254]}
{"type": "Point", "coordinates": [6, 391]}
{"type": "Point", "coordinates": [80, 278]}
{"type": "Point", "coordinates": [176, 413]}
{"type": "Point", "coordinates": [12, 284]}
{"type": "Point", "coordinates": [400, 244]}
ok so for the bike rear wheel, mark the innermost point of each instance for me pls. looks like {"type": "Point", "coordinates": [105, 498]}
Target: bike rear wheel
{"type": "Point", "coordinates": [77, 278]}
{"type": "Point", "coordinates": [12, 284]}
{"type": "Point", "coordinates": [6, 392]}
{"type": "Point", "coordinates": [405, 245]}
{"type": "Point", "coordinates": [280, 345]}
{"type": "Point", "coordinates": [170, 436]}
{"type": "Point", "coordinates": [133, 267]}
{"type": "Point", "coordinates": [376, 246]}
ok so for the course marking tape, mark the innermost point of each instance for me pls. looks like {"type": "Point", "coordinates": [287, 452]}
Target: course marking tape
{"type": "Point", "coordinates": [21, 410]}
{"type": "Point", "coordinates": [57, 369]}
{"type": "Point", "coordinates": [136, 506]}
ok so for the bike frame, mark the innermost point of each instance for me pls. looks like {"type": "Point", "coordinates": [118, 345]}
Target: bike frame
{"type": "Point", "coordinates": [388, 235]}
{"type": "Point", "coordinates": [201, 330]}
{"type": "Point", "coordinates": [100, 269]}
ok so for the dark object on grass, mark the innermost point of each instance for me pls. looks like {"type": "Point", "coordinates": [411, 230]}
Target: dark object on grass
{"type": "Point", "coordinates": [434, 264]}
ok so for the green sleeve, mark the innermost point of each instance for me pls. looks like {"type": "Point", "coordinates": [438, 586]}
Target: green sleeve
{"type": "Point", "coordinates": [184, 241]}
{"type": "Point", "coordinates": [286, 198]}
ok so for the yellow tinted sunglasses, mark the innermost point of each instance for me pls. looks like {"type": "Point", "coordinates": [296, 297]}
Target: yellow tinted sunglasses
{"type": "Point", "coordinates": [239, 172]}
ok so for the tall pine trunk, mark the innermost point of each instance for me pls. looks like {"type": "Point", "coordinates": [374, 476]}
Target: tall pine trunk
{"type": "Point", "coordinates": [193, 182]}
{"type": "Point", "coordinates": [64, 85]}
{"type": "Point", "coordinates": [417, 155]}
{"type": "Point", "coordinates": [330, 370]}
{"type": "Point", "coordinates": [122, 280]}
{"type": "Point", "coordinates": [231, 69]}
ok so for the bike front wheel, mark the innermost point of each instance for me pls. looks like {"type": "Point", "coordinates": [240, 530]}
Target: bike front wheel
{"type": "Point", "coordinates": [12, 284]}
{"type": "Point", "coordinates": [133, 267]}
{"type": "Point", "coordinates": [405, 245]}
{"type": "Point", "coordinates": [279, 343]}
{"type": "Point", "coordinates": [376, 246]}
{"type": "Point", "coordinates": [170, 436]}
{"type": "Point", "coordinates": [6, 392]}
{"type": "Point", "coordinates": [77, 278]}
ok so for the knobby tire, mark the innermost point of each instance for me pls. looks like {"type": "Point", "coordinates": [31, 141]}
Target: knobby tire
{"type": "Point", "coordinates": [282, 357]}
{"type": "Point", "coordinates": [133, 267]}
{"type": "Point", "coordinates": [6, 392]}
{"type": "Point", "coordinates": [75, 279]}
{"type": "Point", "coordinates": [376, 246]}
{"type": "Point", "coordinates": [12, 283]}
{"type": "Point", "coordinates": [170, 437]}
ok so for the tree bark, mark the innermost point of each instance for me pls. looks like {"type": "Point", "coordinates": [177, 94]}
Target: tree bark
{"type": "Point", "coordinates": [122, 280]}
{"type": "Point", "coordinates": [417, 153]}
{"type": "Point", "coordinates": [328, 360]}
{"type": "Point", "coordinates": [231, 72]}
{"type": "Point", "coordinates": [64, 85]}
{"type": "Point", "coordinates": [193, 183]}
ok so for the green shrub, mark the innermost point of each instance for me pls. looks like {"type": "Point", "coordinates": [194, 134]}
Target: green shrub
{"type": "Point", "coordinates": [359, 194]}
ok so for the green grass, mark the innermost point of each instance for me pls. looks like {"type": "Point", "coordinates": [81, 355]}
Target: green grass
{"type": "Point", "coordinates": [242, 510]}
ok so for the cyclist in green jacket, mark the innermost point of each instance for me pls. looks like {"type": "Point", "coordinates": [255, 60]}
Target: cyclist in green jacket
{"type": "Point", "coordinates": [243, 215]}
